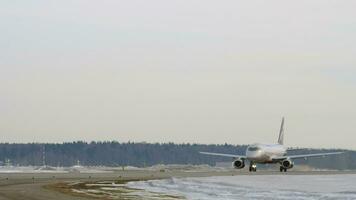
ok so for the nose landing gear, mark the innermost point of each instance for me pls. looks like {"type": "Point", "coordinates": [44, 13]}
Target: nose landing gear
{"type": "Point", "coordinates": [253, 167]}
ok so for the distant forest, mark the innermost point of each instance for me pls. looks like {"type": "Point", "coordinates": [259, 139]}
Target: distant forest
{"type": "Point", "coordinates": [144, 154]}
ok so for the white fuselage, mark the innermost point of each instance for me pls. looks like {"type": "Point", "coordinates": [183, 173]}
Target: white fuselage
{"type": "Point", "coordinates": [264, 153]}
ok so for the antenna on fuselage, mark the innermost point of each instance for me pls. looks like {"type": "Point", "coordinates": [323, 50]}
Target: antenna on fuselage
{"type": "Point", "coordinates": [281, 133]}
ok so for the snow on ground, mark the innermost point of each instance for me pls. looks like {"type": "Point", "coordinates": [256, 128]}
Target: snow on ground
{"type": "Point", "coordinates": [256, 187]}
{"type": "Point", "coordinates": [48, 169]}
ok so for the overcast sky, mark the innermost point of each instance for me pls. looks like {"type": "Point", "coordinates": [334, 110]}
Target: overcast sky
{"type": "Point", "coordinates": [182, 71]}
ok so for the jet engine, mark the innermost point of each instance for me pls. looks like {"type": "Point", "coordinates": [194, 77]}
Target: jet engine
{"type": "Point", "coordinates": [287, 164]}
{"type": "Point", "coordinates": [238, 164]}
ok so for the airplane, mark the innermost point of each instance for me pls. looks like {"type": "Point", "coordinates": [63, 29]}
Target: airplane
{"type": "Point", "coordinates": [268, 154]}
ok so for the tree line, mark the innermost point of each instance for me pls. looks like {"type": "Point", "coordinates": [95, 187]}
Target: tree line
{"type": "Point", "coordinates": [114, 153]}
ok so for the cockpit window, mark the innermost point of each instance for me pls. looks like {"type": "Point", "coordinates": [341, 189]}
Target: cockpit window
{"type": "Point", "coordinates": [253, 148]}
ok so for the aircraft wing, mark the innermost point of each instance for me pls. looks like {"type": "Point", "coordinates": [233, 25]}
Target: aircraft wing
{"type": "Point", "coordinates": [225, 155]}
{"type": "Point", "coordinates": [305, 156]}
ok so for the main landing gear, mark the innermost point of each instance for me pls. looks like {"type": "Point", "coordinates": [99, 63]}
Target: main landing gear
{"type": "Point", "coordinates": [282, 169]}
{"type": "Point", "coordinates": [253, 167]}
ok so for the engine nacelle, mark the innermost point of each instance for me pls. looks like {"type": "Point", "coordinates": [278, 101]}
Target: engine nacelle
{"type": "Point", "coordinates": [238, 164]}
{"type": "Point", "coordinates": [287, 164]}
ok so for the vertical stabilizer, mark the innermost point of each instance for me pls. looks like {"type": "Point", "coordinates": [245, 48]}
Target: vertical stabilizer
{"type": "Point", "coordinates": [281, 133]}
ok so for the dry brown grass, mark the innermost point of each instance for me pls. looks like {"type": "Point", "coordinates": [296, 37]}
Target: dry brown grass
{"type": "Point", "coordinates": [85, 190]}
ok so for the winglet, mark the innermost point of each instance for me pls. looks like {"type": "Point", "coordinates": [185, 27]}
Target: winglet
{"type": "Point", "coordinates": [281, 133]}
